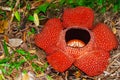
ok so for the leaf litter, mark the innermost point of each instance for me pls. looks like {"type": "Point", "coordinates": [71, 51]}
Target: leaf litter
{"type": "Point", "coordinates": [28, 61]}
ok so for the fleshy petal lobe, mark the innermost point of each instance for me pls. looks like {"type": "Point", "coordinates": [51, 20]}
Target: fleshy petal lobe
{"type": "Point", "coordinates": [49, 35]}
{"type": "Point", "coordinates": [80, 16]}
{"type": "Point", "coordinates": [104, 37]}
{"type": "Point", "coordinates": [60, 61]}
{"type": "Point", "coordinates": [93, 63]}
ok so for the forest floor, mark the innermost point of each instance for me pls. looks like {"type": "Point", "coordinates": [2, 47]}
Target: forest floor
{"type": "Point", "coordinates": [17, 42]}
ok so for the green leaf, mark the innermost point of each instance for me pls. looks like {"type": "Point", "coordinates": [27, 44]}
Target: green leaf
{"type": "Point", "coordinates": [19, 64]}
{"type": "Point", "coordinates": [30, 18]}
{"type": "Point", "coordinates": [9, 71]}
{"type": "Point", "coordinates": [28, 57]}
{"type": "Point", "coordinates": [26, 54]}
{"type": "Point", "coordinates": [4, 71]}
{"type": "Point", "coordinates": [42, 17]}
{"type": "Point", "coordinates": [119, 4]}
{"type": "Point", "coordinates": [28, 6]}
{"type": "Point", "coordinates": [115, 8]}
{"type": "Point", "coordinates": [4, 65]}
{"type": "Point", "coordinates": [80, 2]}
{"type": "Point", "coordinates": [17, 15]}
{"type": "Point", "coordinates": [100, 2]}
{"type": "Point", "coordinates": [42, 8]}
{"type": "Point", "coordinates": [49, 77]}
{"type": "Point", "coordinates": [2, 76]}
{"type": "Point", "coordinates": [24, 71]}
{"type": "Point", "coordinates": [5, 48]}
{"type": "Point", "coordinates": [20, 51]}
{"type": "Point", "coordinates": [5, 60]}
{"type": "Point", "coordinates": [103, 9]}
{"type": "Point", "coordinates": [45, 65]}
{"type": "Point", "coordinates": [3, 13]}
{"type": "Point", "coordinates": [62, 2]}
{"type": "Point", "coordinates": [29, 33]}
{"type": "Point", "coordinates": [70, 1]}
{"type": "Point", "coordinates": [91, 5]}
{"type": "Point", "coordinates": [16, 64]}
{"type": "Point", "coordinates": [36, 67]}
{"type": "Point", "coordinates": [33, 30]}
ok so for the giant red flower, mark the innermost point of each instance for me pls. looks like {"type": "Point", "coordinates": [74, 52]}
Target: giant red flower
{"type": "Point", "coordinates": [73, 40]}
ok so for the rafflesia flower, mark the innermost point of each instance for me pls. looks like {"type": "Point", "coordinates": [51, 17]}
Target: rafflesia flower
{"type": "Point", "coordinates": [73, 40]}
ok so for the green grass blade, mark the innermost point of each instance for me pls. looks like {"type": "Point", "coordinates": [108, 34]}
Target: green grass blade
{"type": "Point", "coordinates": [17, 15]}
{"type": "Point", "coordinates": [5, 48]}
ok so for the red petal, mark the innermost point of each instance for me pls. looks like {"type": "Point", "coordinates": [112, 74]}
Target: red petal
{"type": "Point", "coordinates": [60, 61]}
{"type": "Point", "coordinates": [49, 35]}
{"type": "Point", "coordinates": [104, 37]}
{"type": "Point", "coordinates": [79, 16]}
{"type": "Point", "coordinates": [93, 63]}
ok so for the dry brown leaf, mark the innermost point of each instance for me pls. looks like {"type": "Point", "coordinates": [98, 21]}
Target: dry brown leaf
{"type": "Point", "coordinates": [77, 74]}
{"type": "Point", "coordinates": [38, 62]}
{"type": "Point", "coordinates": [84, 79]}
{"type": "Point", "coordinates": [25, 76]}
{"type": "Point", "coordinates": [33, 51]}
{"type": "Point", "coordinates": [2, 55]}
{"type": "Point", "coordinates": [36, 4]}
{"type": "Point", "coordinates": [24, 36]}
{"type": "Point", "coordinates": [6, 38]}
{"type": "Point", "coordinates": [114, 30]}
{"type": "Point", "coordinates": [3, 25]}
{"type": "Point", "coordinates": [15, 42]}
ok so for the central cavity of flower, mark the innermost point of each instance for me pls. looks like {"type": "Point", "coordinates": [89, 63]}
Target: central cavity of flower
{"type": "Point", "coordinates": [77, 37]}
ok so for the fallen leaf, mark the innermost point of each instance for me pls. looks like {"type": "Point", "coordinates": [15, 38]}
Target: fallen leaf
{"type": "Point", "coordinates": [3, 25]}
{"type": "Point", "coordinates": [33, 51]}
{"type": "Point", "coordinates": [10, 50]}
{"type": "Point", "coordinates": [36, 19]}
{"type": "Point", "coordinates": [77, 74]}
{"type": "Point", "coordinates": [2, 76]}
{"type": "Point", "coordinates": [25, 76]}
{"type": "Point", "coordinates": [2, 55]}
{"type": "Point", "coordinates": [6, 38]}
{"type": "Point", "coordinates": [24, 36]}
{"type": "Point", "coordinates": [43, 7]}
{"type": "Point", "coordinates": [15, 42]}
{"type": "Point", "coordinates": [17, 15]}
{"type": "Point", "coordinates": [114, 30]}
{"type": "Point", "coordinates": [36, 4]}
{"type": "Point", "coordinates": [84, 79]}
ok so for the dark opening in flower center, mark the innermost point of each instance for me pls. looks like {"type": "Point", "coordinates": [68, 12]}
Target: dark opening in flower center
{"type": "Point", "coordinates": [77, 37]}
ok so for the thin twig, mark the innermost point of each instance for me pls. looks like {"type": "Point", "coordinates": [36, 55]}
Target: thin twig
{"type": "Point", "coordinates": [118, 54]}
